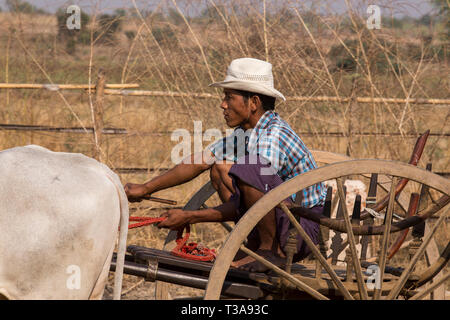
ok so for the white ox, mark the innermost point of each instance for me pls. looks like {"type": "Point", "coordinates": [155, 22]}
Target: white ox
{"type": "Point", "coordinates": [59, 220]}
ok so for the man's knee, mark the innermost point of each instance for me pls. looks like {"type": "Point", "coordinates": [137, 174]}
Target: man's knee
{"type": "Point", "coordinates": [248, 190]}
{"type": "Point", "coordinates": [214, 175]}
{"type": "Point", "coordinates": [219, 171]}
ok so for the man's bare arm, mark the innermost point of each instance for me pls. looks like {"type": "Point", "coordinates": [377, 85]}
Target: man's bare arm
{"type": "Point", "coordinates": [183, 172]}
{"type": "Point", "coordinates": [177, 218]}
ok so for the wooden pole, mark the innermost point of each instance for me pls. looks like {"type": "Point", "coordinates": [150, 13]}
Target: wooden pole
{"type": "Point", "coordinates": [120, 89]}
{"type": "Point", "coordinates": [55, 87]}
{"type": "Point", "coordinates": [292, 98]}
{"type": "Point", "coordinates": [7, 66]}
{"type": "Point", "coordinates": [161, 94]}
{"type": "Point", "coordinates": [98, 115]}
{"type": "Point", "coordinates": [368, 100]}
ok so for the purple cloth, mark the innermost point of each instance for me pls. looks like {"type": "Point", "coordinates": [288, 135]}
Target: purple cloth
{"type": "Point", "coordinates": [251, 175]}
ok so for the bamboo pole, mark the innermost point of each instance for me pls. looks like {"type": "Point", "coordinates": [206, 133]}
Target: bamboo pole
{"type": "Point", "coordinates": [266, 48]}
{"type": "Point", "coordinates": [98, 115]}
{"type": "Point", "coordinates": [22, 127]}
{"type": "Point", "coordinates": [7, 66]}
{"type": "Point", "coordinates": [120, 89]}
{"type": "Point", "coordinates": [161, 94]}
{"type": "Point", "coordinates": [292, 98]}
{"type": "Point", "coordinates": [368, 100]}
{"type": "Point", "coordinates": [55, 87]}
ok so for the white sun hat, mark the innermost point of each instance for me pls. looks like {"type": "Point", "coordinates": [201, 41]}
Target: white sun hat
{"type": "Point", "coordinates": [249, 74]}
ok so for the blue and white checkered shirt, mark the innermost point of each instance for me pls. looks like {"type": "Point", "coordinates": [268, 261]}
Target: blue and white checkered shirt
{"type": "Point", "coordinates": [273, 139]}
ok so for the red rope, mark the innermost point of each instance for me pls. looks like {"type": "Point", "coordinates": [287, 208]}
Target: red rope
{"type": "Point", "coordinates": [144, 221]}
{"type": "Point", "coordinates": [191, 250]}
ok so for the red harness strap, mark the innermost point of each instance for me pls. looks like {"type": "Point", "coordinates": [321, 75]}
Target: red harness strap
{"type": "Point", "coordinates": [144, 221]}
{"type": "Point", "coordinates": [192, 250]}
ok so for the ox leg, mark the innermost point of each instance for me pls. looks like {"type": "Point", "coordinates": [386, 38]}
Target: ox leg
{"type": "Point", "coordinates": [99, 286]}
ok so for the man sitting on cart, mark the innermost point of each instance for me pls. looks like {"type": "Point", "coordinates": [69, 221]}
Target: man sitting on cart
{"type": "Point", "coordinates": [262, 152]}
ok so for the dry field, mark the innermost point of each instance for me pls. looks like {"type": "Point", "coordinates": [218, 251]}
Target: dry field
{"type": "Point", "coordinates": [312, 55]}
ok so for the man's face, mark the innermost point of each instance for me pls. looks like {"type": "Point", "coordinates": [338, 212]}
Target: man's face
{"type": "Point", "coordinates": [235, 111]}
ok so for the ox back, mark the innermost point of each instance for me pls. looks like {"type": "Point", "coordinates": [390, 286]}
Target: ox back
{"type": "Point", "coordinates": [59, 220]}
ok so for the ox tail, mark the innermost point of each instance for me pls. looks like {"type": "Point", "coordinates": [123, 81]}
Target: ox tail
{"type": "Point", "coordinates": [122, 246]}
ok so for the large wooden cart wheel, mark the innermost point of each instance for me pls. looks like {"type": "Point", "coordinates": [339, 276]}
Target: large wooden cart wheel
{"type": "Point", "coordinates": [406, 282]}
{"type": "Point", "coordinates": [199, 199]}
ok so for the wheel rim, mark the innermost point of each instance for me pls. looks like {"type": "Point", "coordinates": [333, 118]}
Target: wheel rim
{"type": "Point", "coordinates": [275, 196]}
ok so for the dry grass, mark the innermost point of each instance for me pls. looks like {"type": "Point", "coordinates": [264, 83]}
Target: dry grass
{"type": "Point", "coordinates": [31, 24]}
{"type": "Point", "coordinates": [312, 55]}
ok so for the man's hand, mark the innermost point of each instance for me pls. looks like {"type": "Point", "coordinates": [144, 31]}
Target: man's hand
{"type": "Point", "coordinates": [135, 191]}
{"type": "Point", "coordinates": [176, 219]}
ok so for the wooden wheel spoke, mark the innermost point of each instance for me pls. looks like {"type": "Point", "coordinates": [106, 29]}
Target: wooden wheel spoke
{"type": "Point", "coordinates": [298, 283]}
{"type": "Point", "coordinates": [431, 288]}
{"type": "Point", "coordinates": [351, 241]}
{"type": "Point", "coordinates": [406, 273]}
{"type": "Point", "coordinates": [412, 210]}
{"type": "Point", "coordinates": [316, 252]}
{"type": "Point", "coordinates": [440, 261]}
{"type": "Point", "coordinates": [386, 236]}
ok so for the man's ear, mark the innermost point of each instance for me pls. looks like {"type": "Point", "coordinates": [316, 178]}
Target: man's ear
{"type": "Point", "coordinates": [255, 103]}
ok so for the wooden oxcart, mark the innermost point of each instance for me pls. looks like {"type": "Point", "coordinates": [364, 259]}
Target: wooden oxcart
{"type": "Point", "coordinates": [414, 198]}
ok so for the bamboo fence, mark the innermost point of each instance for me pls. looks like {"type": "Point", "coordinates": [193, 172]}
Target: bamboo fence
{"type": "Point", "coordinates": [55, 87]}
{"type": "Point", "coordinates": [100, 89]}
{"type": "Point", "coordinates": [121, 89]}
{"type": "Point", "coordinates": [123, 131]}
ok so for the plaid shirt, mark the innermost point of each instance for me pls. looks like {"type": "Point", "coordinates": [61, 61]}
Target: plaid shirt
{"type": "Point", "coordinates": [273, 139]}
